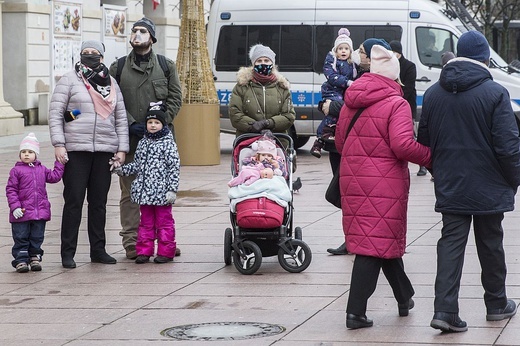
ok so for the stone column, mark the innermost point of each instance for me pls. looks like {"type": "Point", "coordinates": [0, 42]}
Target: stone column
{"type": "Point", "coordinates": [11, 121]}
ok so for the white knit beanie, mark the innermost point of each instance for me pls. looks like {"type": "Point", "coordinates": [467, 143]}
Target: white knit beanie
{"type": "Point", "coordinates": [258, 51]}
{"type": "Point", "coordinates": [30, 142]}
{"type": "Point", "coordinates": [384, 62]}
{"type": "Point", "coordinates": [343, 37]}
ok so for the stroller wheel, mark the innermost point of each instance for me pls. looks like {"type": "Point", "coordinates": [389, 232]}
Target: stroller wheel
{"type": "Point", "coordinates": [294, 255]}
{"type": "Point", "coordinates": [228, 239]}
{"type": "Point", "coordinates": [298, 233]}
{"type": "Point", "coordinates": [249, 257]}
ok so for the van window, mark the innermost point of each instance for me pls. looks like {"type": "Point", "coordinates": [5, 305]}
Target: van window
{"type": "Point", "coordinates": [291, 43]}
{"type": "Point", "coordinates": [432, 43]}
{"type": "Point", "coordinates": [327, 34]}
{"type": "Point", "coordinates": [298, 48]}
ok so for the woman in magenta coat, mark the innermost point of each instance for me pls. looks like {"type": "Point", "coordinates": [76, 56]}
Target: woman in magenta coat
{"type": "Point", "coordinates": [374, 183]}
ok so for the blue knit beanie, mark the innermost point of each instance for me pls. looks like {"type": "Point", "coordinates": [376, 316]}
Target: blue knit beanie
{"type": "Point", "coordinates": [367, 45]}
{"type": "Point", "coordinates": [473, 45]}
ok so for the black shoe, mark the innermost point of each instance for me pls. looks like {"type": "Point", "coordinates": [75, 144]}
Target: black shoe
{"type": "Point", "coordinates": [68, 263]}
{"type": "Point", "coordinates": [406, 307]}
{"type": "Point", "coordinates": [177, 252]}
{"type": "Point", "coordinates": [502, 314]}
{"type": "Point", "coordinates": [422, 171]}
{"type": "Point", "coordinates": [103, 258]}
{"type": "Point", "coordinates": [142, 259]}
{"type": "Point", "coordinates": [162, 259]}
{"type": "Point", "coordinates": [357, 321]}
{"type": "Point", "coordinates": [340, 250]}
{"type": "Point", "coordinates": [448, 322]}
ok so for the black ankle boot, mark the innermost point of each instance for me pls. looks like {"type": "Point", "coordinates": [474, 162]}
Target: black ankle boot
{"type": "Point", "coordinates": [358, 321]}
{"type": "Point", "coordinates": [340, 250]}
{"type": "Point", "coordinates": [406, 307]}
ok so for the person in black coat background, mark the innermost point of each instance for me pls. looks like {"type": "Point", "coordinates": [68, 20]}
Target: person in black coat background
{"type": "Point", "coordinates": [408, 75]}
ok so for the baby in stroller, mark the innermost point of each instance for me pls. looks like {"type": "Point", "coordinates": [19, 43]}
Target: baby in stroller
{"type": "Point", "coordinates": [261, 171]}
{"type": "Point", "coordinates": [264, 164]}
{"type": "Point", "coordinates": [260, 197]}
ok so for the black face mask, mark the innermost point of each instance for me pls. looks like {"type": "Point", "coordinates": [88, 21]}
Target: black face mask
{"type": "Point", "coordinates": [91, 60]}
{"type": "Point", "coordinates": [264, 69]}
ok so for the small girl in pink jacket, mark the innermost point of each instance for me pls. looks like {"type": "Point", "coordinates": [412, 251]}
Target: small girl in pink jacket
{"type": "Point", "coordinates": [29, 205]}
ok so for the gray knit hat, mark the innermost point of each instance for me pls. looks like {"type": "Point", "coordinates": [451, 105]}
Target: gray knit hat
{"type": "Point", "coordinates": [97, 45]}
{"type": "Point", "coordinates": [258, 51]}
{"type": "Point", "coordinates": [148, 24]}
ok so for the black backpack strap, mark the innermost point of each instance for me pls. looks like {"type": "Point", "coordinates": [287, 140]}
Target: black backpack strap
{"type": "Point", "coordinates": [162, 62]}
{"type": "Point", "coordinates": [120, 64]}
{"type": "Point", "coordinates": [164, 65]}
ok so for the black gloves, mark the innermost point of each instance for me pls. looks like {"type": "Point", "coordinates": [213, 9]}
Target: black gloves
{"type": "Point", "coordinates": [259, 125]}
{"type": "Point", "coordinates": [137, 129]}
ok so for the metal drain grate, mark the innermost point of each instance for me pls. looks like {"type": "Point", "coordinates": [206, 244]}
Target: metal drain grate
{"type": "Point", "coordinates": [218, 331]}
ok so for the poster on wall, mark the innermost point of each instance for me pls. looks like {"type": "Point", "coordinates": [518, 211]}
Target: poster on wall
{"type": "Point", "coordinates": [115, 22]}
{"type": "Point", "coordinates": [67, 18]}
{"type": "Point", "coordinates": [115, 34]}
{"type": "Point", "coordinates": [66, 54]}
{"type": "Point", "coordinates": [66, 38]}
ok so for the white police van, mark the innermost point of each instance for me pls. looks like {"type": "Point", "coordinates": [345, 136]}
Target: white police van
{"type": "Point", "coordinates": [301, 32]}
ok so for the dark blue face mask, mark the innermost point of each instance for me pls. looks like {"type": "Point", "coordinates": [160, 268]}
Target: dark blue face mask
{"type": "Point", "coordinates": [264, 69]}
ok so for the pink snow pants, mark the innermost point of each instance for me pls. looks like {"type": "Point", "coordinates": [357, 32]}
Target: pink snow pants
{"type": "Point", "coordinates": [156, 223]}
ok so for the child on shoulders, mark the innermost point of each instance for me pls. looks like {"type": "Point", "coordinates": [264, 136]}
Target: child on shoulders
{"type": "Point", "coordinates": [340, 71]}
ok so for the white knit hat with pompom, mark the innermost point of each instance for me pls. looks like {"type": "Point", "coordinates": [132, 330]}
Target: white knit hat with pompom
{"type": "Point", "coordinates": [343, 37]}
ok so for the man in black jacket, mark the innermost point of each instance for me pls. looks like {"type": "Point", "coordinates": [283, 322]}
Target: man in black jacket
{"type": "Point", "coordinates": [468, 123]}
{"type": "Point", "coordinates": [408, 75]}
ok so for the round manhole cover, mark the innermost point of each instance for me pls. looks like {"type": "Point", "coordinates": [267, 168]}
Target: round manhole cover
{"type": "Point", "coordinates": [223, 331]}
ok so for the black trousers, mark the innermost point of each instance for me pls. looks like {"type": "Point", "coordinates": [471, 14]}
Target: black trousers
{"type": "Point", "coordinates": [363, 282]}
{"type": "Point", "coordinates": [450, 260]}
{"type": "Point", "coordinates": [85, 173]}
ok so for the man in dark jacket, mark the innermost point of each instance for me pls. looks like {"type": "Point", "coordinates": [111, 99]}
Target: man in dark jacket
{"type": "Point", "coordinates": [142, 80]}
{"type": "Point", "coordinates": [408, 75]}
{"type": "Point", "coordinates": [468, 123]}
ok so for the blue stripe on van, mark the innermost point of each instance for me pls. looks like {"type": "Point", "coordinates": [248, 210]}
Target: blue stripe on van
{"type": "Point", "coordinates": [299, 98]}
{"type": "Point", "coordinates": [303, 98]}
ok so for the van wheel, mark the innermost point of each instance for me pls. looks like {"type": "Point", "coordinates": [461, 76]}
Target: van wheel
{"type": "Point", "coordinates": [299, 141]}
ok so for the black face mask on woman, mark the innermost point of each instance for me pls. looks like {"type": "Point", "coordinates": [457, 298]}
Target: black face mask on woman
{"type": "Point", "coordinates": [91, 60]}
{"type": "Point", "coordinates": [264, 69]}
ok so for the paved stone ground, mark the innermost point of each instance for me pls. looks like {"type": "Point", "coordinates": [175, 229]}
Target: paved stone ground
{"type": "Point", "coordinates": [98, 304]}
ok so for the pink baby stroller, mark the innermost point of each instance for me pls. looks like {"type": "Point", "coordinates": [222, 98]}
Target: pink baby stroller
{"type": "Point", "coordinates": [262, 226]}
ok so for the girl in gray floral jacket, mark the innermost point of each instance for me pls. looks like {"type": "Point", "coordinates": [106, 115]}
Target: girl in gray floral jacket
{"type": "Point", "coordinates": [157, 167]}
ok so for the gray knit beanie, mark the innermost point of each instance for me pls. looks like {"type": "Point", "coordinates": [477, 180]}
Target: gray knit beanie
{"type": "Point", "coordinates": [258, 51]}
{"type": "Point", "coordinates": [97, 45]}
